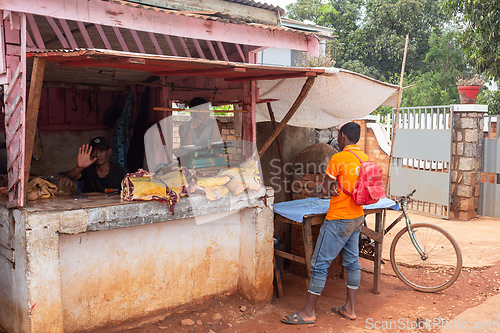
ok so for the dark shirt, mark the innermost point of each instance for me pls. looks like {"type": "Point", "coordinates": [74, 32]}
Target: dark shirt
{"type": "Point", "coordinates": [95, 184]}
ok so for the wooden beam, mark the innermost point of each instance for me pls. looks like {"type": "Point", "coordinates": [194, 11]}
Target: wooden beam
{"type": "Point", "coordinates": [159, 108]}
{"type": "Point", "coordinates": [155, 43]}
{"type": "Point", "coordinates": [165, 23]}
{"type": "Point", "coordinates": [58, 32]}
{"type": "Point", "coordinates": [68, 33]}
{"type": "Point", "coordinates": [222, 50]}
{"type": "Point", "coordinates": [201, 72]}
{"type": "Point", "coordinates": [300, 98]}
{"type": "Point", "coordinates": [212, 50]}
{"type": "Point", "coordinates": [271, 76]}
{"type": "Point", "coordinates": [102, 63]}
{"type": "Point", "coordinates": [32, 111]}
{"type": "Point", "coordinates": [119, 36]}
{"type": "Point", "coordinates": [103, 36]}
{"type": "Point", "coordinates": [85, 34]}
{"type": "Point", "coordinates": [280, 152]}
{"type": "Point", "coordinates": [171, 45]}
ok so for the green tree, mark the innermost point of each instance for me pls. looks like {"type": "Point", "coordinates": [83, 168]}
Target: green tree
{"type": "Point", "coordinates": [480, 38]}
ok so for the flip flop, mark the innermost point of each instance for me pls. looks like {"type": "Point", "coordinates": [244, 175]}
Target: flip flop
{"type": "Point", "coordinates": [296, 319]}
{"type": "Point", "coordinates": [338, 309]}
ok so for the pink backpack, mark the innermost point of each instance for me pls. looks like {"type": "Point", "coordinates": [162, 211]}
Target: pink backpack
{"type": "Point", "coordinates": [368, 189]}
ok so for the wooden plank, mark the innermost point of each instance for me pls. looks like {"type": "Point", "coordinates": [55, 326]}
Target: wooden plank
{"type": "Point", "coordinates": [240, 51]}
{"type": "Point", "coordinates": [222, 50]}
{"type": "Point", "coordinates": [155, 43]}
{"type": "Point", "coordinates": [165, 23]}
{"type": "Point", "coordinates": [200, 72]}
{"type": "Point", "coordinates": [198, 49]}
{"type": "Point", "coordinates": [183, 44]}
{"type": "Point", "coordinates": [379, 227]}
{"type": "Point", "coordinates": [372, 234]}
{"type": "Point", "coordinates": [290, 256]}
{"type": "Point", "coordinates": [271, 76]}
{"type": "Point", "coordinates": [14, 126]}
{"type": "Point", "coordinates": [68, 33]}
{"type": "Point", "coordinates": [3, 62]}
{"type": "Point", "coordinates": [12, 107]}
{"type": "Point", "coordinates": [85, 34]}
{"type": "Point", "coordinates": [32, 108]}
{"type": "Point", "coordinates": [36, 32]}
{"type": "Point", "coordinates": [298, 101]}
{"type": "Point", "coordinates": [248, 13]}
{"type": "Point", "coordinates": [120, 39]}
{"type": "Point", "coordinates": [212, 50]}
{"type": "Point", "coordinates": [103, 36]}
{"type": "Point", "coordinates": [43, 110]}
{"type": "Point", "coordinates": [171, 45]}
{"type": "Point", "coordinates": [58, 32]}
{"type": "Point", "coordinates": [137, 40]}
{"type": "Point", "coordinates": [308, 244]}
{"type": "Point", "coordinates": [13, 82]}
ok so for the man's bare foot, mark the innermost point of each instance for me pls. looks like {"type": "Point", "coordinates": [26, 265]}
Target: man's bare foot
{"type": "Point", "coordinates": [299, 318]}
{"type": "Point", "coordinates": [341, 310]}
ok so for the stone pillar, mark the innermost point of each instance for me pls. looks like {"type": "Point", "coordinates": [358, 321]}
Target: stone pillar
{"type": "Point", "coordinates": [467, 144]}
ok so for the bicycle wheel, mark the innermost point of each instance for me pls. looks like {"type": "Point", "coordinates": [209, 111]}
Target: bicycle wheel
{"type": "Point", "coordinates": [435, 272]}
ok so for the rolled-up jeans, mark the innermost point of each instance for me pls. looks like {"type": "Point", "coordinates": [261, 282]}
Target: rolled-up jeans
{"type": "Point", "coordinates": [336, 236]}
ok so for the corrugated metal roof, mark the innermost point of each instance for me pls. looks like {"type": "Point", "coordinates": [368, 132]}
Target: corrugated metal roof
{"type": "Point", "coordinates": [260, 5]}
{"type": "Point", "coordinates": [214, 16]}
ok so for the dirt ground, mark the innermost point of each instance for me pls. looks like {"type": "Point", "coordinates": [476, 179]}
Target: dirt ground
{"type": "Point", "coordinates": [396, 305]}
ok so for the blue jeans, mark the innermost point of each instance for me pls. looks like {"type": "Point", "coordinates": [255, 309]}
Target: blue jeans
{"type": "Point", "coordinates": [336, 236]}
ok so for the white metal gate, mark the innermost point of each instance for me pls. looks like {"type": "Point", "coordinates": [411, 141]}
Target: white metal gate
{"type": "Point", "coordinates": [422, 157]}
{"type": "Point", "coordinates": [489, 196]}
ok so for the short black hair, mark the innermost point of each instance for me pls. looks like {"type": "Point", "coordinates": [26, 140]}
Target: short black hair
{"type": "Point", "coordinates": [352, 131]}
{"type": "Point", "coordinates": [197, 101]}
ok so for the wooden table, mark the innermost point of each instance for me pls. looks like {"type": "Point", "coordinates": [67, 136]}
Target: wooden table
{"type": "Point", "coordinates": [317, 219]}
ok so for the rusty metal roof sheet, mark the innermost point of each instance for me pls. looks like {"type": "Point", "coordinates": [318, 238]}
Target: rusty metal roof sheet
{"type": "Point", "coordinates": [214, 16]}
{"type": "Point", "coordinates": [260, 5]}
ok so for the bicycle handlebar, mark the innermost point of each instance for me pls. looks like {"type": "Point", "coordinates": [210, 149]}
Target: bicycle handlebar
{"type": "Point", "coordinates": [406, 196]}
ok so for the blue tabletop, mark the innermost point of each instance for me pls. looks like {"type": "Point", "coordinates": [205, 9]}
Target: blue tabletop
{"type": "Point", "coordinates": [295, 210]}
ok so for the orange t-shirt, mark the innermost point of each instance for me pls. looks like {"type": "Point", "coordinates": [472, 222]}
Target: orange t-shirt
{"type": "Point", "coordinates": [344, 167]}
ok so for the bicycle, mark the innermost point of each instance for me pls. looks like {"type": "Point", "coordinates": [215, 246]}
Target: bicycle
{"type": "Point", "coordinates": [424, 256]}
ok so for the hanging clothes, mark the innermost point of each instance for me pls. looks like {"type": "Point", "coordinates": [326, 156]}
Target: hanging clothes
{"type": "Point", "coordinates": [135, 158]}
{"type": "Point", "coordinates": [121, 134]}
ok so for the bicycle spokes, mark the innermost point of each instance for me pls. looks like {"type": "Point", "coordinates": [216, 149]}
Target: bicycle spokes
{"type": "Point", "coordinates": [426, 257]}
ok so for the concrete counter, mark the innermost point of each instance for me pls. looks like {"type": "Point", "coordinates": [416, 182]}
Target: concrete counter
{"type": "Point", "coordinates": [71, 265]}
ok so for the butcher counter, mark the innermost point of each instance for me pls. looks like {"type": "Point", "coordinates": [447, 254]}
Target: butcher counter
{"type": "Point", "coordinates": [74, 264]}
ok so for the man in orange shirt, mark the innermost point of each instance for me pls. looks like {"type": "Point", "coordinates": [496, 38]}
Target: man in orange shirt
{"type": "Point", "coordinates": [340, 230]}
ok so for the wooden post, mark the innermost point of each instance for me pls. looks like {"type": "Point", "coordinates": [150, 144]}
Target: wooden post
{"type": "Point", "coordinates": [396, 120]}
{"type": "Point", "coordinates": [300, 98]}
{"type": "Point", "coordinates": [32, 111]}
{"type": "Point", "coordinates": [280, 152]}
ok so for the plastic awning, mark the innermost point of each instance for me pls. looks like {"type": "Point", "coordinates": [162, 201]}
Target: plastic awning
{"type": "Point", "coordinates": [337, 96]}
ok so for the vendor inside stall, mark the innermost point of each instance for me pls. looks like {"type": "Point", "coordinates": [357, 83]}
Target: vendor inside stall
{"type": "Point", "coordinates": [201, 129]}
{"type": "Point", "coordinates": [94, 169]}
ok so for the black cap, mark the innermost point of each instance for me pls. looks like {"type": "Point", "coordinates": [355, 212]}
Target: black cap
{"type": "Point", "coordinates": [99, 143]}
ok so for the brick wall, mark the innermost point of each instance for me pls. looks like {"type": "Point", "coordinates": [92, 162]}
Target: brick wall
{"type": "Point", "coordinates": [227, 133]}
{"type": "Point", "coordinates": [369, 144]}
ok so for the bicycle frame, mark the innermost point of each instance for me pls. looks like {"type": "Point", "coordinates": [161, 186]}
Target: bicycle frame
{"type": "Point", "coordinates": [404, 207]}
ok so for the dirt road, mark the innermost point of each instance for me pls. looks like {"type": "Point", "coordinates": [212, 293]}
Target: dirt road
{"type": "Point", "coordinates": [397, 308]}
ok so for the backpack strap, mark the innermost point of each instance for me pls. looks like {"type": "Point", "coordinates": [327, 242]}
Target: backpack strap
{"type": "Point", "coordinates": [340, 186]}
{"type": "Point", "coordinates": [357, 155]}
